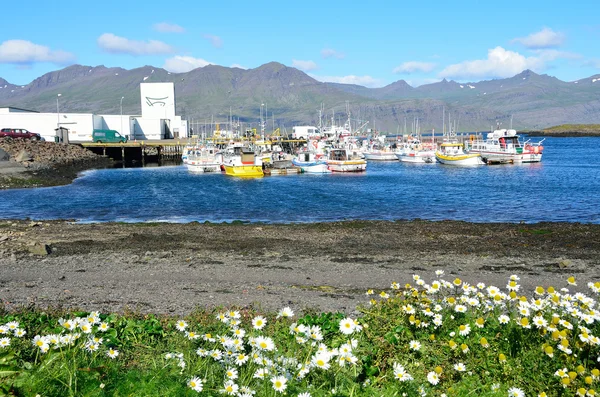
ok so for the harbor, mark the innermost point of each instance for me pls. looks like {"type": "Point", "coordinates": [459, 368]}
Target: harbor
{"type": "Point", "coordinates": [387, 190]}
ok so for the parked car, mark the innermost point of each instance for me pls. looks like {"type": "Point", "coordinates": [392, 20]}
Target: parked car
{"type": "Point", "coordinates": [19, 133]}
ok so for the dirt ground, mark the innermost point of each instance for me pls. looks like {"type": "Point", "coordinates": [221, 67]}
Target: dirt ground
{"type": "Point", "coordinates": [175, 268]}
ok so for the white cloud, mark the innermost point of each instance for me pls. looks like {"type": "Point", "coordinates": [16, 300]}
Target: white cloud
{"type": "Point", "coordinates": [237, 65]}
{"type": "Point", "coordinates": [183, 64]}
{"type": "Point", "coordinates": [304, 65]}
{"type": "Point", "coordinates": [23, 51]}
{"type": "Point", "coordinates": [545, 38]}
{"type": "Point", "coordinates": [551, 54]}
{"type": "Point", "coordinates": [331, 53]}
{"type": "Point", "coordinates": [216, 41]}
{"type": "Point", "coordinates": [121, 45]}
{"type": "Point", "coordinates": [366, 81]}
{"type": "Point", "coordinates": [165, 27]}
{"type": "Point", "coordinates": [414, 66]}
{"type": "Point", "coordinates": [593, 63]}
{"type": "Point", "coordinates": [499, 63]}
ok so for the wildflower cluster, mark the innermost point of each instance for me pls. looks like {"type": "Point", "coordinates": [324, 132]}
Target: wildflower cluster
{"type": "Point", "coordinates": [457, 328]}
{"type": "Point", "coordinates": [246, 359]}
{"type": "Point", "coordinates": [80, 332]}
{"type": "Point", "coordinates": [8, 331]}
{"type": "Point", "coordinates": [443, 337]}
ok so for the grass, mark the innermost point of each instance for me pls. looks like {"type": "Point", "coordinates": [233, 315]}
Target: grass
{"type": "Point", "coordinates": [424, 338]}
{"type": "Point", "coordinates": [581, 128]}
{"type": "Point", "coordinates": [536, 231]}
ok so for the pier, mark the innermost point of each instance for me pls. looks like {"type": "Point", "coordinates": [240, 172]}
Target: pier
{"type": "Point", "coordinates": [170, 150]}
{"type": "Point", "coordinates": [139, 150]}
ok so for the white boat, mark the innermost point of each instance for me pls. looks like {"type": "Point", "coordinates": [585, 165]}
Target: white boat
{"type": "Point", "coordinates": [345, 160]}
{"type": "Point", "coordinates": [414, 151]}
{"type": "Point", "coordinates": [452, 153]}
{"type": "Point", "coordinates": [310, 163]}
{"type": "Point", "coordinates": [380, 154]}
{"type": "Point", "coordinates": [504, 146]}
{"type": "Point", "coordinates": [201, 159]}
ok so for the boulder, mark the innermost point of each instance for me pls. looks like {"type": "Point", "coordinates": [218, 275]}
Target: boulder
{"type": "Point", "coordinates": [23, 156]}
{"type": "Point", "coordinates": [4, 156]}
{"type": "Point", "coordinates": [40, 249]}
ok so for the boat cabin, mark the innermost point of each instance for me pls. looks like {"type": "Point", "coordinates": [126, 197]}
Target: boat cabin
{"type": "Point", "coordinates": [338, 155]}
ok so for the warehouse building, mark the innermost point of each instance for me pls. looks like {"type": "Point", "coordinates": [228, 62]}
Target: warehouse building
{"type": "Point", "coordinates": [157, 121]}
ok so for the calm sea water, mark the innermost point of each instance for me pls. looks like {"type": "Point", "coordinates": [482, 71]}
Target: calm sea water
{"type": "Point", "coordinates": [565, 187]}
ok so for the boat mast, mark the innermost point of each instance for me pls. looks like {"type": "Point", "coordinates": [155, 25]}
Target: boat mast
{"type": "Point", "coordinates": [443, 120]}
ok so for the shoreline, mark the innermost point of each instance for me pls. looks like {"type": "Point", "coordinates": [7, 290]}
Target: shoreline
{"type": "Point", "coordinates": [566, 134]}
{"type": "Point", "coordinates": [17, 176]}
{"type": "Point", "coordinates": [176, 268]}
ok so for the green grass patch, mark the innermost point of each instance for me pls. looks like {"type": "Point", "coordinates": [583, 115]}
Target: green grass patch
{"type": "Point", "coordinates": [430, 337]}
{"type": "Point", "coordinates": [536, 231]}
{"type": "Point", "coordinates": [586, 128]}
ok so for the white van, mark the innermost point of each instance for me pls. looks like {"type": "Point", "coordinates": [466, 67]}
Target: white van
{"type": "Point", "coordinates": [304, 132]}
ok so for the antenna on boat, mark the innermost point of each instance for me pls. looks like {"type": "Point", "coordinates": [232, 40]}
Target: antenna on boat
{"type": "Point", "coordinates": [443, 120]}
{"type": "Point", "coordinates": [511, 117]}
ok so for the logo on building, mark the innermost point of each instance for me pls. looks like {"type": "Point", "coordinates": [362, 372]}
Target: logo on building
{"type": "Point", "coordinates": [156, 101]}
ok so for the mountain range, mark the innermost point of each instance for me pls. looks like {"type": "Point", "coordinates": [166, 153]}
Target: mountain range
{"type": "Point", "coordinates": [291, 97]}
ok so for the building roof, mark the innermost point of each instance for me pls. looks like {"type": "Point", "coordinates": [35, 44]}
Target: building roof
{"type": "Point", "coordinates": [10, 108]}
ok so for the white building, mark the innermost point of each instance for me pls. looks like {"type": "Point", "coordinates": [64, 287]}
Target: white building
{"type": "Point", "coordinates": [158, 119]}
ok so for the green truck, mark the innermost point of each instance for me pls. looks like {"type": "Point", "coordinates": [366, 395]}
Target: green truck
{"type": "Point", "coordinates": [108, 136]}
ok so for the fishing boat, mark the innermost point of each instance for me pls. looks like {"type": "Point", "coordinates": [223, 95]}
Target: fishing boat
{"type": "Point", "coordinates": [414, 151]}
{"type": "Point", "coordinates": [504, 146]}
{"type": "Point", "coordinates": [203, 159]}
{"type": "Point", "coordinates": [378, 153]}
{"type": "Point", "coordinates": [242, 163]}
{"type": "Point", "coordinates": [452, 153]}
{"type": "Point", "coordinates": [280, 163]}
{"type": "Point", "coordinates": [345, 160]}
{"type": "Point", "coordinates": [311, 163]}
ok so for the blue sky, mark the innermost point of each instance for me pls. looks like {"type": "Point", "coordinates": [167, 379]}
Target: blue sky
{"type": "Point", "coordinates": [368, 43]}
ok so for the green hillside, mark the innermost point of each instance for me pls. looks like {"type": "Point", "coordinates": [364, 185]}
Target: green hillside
{"type": "Point", "coordinates": [530, 100]}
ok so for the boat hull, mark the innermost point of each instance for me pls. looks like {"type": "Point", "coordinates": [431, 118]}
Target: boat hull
{"type": "Point", "coordinates": [380, 156]}
{"type": "Point", "coordinates": [203, 168]}
{"type": "Point", "coordinates": [506, 158]}
{"type": "Point", "coordinates": [417, 157]}
{"type": "Point", "coordinates": [202, 165]}
{"type": "Point", "coordinates": [312, 167]}
{"type": "Point", "coordinates": [347, 166]}
{"type": "Point", "coordinates": [244, 171]}
{"type": "Point", "coordinates": [470, 159]}
{"type": "Point", "coordinates": [282, 171]}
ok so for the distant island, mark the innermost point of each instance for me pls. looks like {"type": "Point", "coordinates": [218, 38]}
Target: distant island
{"type": "Point", "coordinates": [568, 130]}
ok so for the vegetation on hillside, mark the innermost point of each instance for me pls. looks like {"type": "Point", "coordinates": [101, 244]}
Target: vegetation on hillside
{"type": "Point", "coordinates": [574, 128]}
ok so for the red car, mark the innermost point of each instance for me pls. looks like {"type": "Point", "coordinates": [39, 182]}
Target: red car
{"type": "Point", "coordinates": [19, 133]}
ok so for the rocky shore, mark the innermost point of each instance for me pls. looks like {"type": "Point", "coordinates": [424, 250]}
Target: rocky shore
{"type": "Point", "coordinates": [25, 163]}
{"type": "Point", "coordinates": [175, 268]}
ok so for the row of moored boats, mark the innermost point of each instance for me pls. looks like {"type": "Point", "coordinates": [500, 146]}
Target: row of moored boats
{"type": "Point", "coordinates": [350, 154]}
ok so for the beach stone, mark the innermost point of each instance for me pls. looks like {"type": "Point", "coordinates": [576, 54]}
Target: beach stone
{"type": "Point", "coordinates": [40, 249]}
{"type": "Point", "coordinates": [165, 254]}
{"type": "Point", "coordinates": [23, 156]}
{"type": "Point", "coordinates": [4, 156]}
{"type": "Point", "coordinates": [564, 264]}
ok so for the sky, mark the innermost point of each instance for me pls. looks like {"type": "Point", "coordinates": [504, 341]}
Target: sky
{"type": "Point", "coordinates": [373, 43]}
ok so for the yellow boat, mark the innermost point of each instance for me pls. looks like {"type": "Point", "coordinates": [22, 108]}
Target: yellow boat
{"type": "Point", "coordinates": [453, 154]}
{"type": "Point", "coordinates": [243, 165]}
